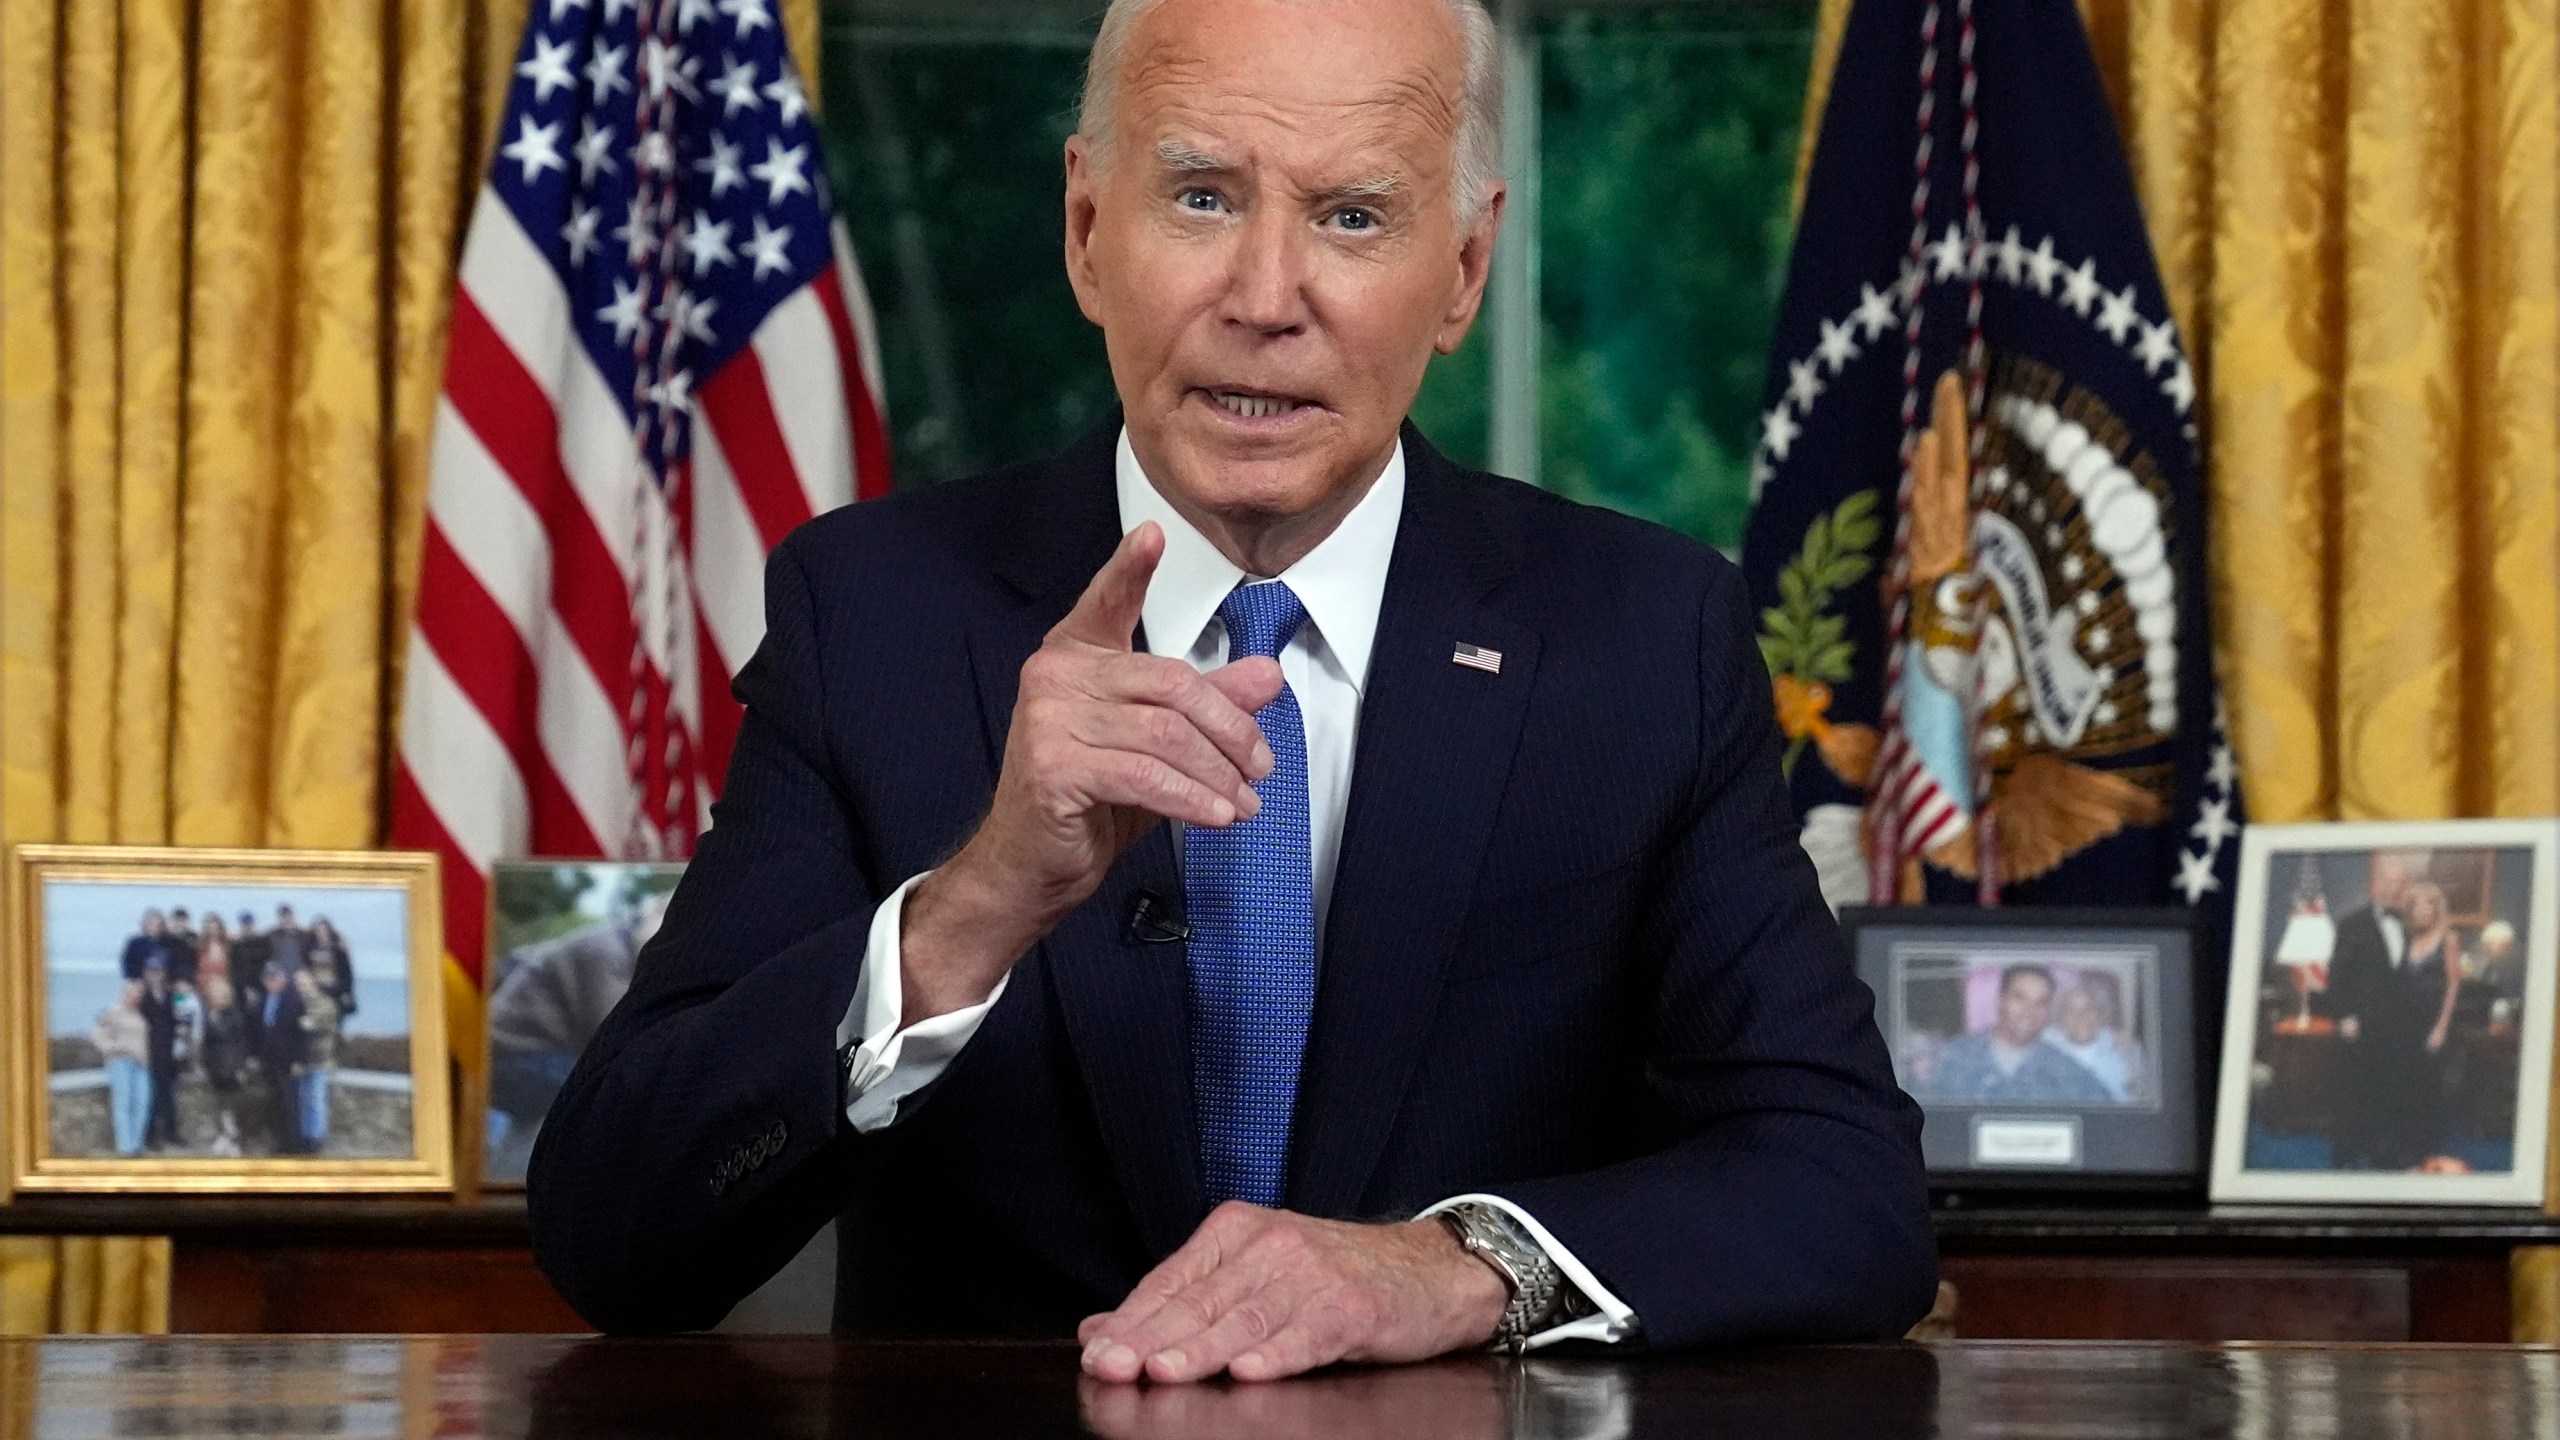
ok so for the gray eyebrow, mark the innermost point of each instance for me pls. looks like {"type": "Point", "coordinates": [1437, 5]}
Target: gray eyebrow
{"type": "Point", "coordinates": [1178, 156]}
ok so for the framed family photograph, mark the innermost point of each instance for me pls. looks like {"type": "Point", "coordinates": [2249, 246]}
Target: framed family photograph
{"type": "Point", "coordinates": [2049, 1049]}
{"type": "Point", "coordinates": [225, 1020]}
{"type": "Point", "coordinates": [563, 936]}
{"type": "Point", "coordinates": [2388, 1037]}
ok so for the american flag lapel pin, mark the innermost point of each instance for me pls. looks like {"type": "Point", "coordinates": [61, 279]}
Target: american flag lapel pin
{"type": "Point", "coordinates": [1477, 657]}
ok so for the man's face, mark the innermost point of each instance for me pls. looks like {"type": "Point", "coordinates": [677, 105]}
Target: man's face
{"type": "Point", "coordinates": [2025, 1004]}
{"type": "Point", "coordinates": [1271, 245]}
{"type": "Point", "coordinates": [152, 924]}
{"type": "Point", "coordinates": [2390, 881]}
{"type": "Point", "coordinates": [274, 981]}
{"type": "Point", "coordinates": [2079, 1017]}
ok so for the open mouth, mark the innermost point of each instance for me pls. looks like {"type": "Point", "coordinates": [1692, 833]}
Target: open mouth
{"type": "Point", "coordinates": [1251, 405]}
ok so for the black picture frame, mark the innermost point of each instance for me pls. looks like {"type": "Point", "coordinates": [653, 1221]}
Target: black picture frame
{"type": "Point", "coordinates": [2141, 1129]}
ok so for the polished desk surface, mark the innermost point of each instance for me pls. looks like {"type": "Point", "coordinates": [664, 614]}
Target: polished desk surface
{"type": "Point", "coordinates": [469, 1385]}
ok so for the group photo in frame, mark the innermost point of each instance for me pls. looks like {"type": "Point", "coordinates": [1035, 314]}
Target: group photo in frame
{"type": "Point", "coordinates": [563, 938]}
{"type": "Point", "coordinates": [2047, 1048]}
{"type": "Point", "coordinates": [225, 1020]}
{"type": "Point", "coordinates": [2388, 1029]}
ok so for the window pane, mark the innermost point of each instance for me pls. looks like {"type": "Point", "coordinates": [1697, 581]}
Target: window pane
{"type": "Point", "coordinates": [944, 128]}
{"type": "Point", "coordinates": [1668, 140]}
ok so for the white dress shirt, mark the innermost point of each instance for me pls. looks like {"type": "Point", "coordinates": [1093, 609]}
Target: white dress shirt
{"type": "Point", "coordinates": [1341, 582]}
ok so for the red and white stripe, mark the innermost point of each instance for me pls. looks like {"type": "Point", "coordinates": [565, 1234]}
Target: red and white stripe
{"type": "Point", "coordinates": [551, 558]}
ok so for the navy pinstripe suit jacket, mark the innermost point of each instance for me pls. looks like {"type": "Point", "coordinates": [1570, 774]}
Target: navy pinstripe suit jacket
{"type": "Point", "coordinates": [1574, 956]}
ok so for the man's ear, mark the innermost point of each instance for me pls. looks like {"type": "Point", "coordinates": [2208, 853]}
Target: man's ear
{"type": "Point", "coordinates": [1080, 221]}
{"type": "Point", "coordinates": [1475, 267]}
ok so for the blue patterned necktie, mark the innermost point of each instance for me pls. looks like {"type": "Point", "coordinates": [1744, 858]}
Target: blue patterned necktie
{"type": "Point", "coordinates": [1251, 900]}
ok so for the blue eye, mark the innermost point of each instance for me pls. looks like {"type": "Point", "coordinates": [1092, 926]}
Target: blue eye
{"type": "Point", "coordinates": [1198, 198]}
{"type": "Point", "coordinates": [1355, 219]}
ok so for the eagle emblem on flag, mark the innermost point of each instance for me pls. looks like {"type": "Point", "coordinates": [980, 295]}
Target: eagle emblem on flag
{"type": "Point", "coordinates": [1978, 526]}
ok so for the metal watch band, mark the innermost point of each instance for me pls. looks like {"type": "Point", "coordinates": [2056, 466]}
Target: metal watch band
{"type": "Point", "coordinates": [1537, 1286]}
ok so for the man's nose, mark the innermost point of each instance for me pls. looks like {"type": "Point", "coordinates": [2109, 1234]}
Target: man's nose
{"type": "Point", "coordinates": [1267, 289]}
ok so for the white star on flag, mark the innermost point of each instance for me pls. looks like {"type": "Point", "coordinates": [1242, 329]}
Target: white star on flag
{"type": "Point", "coordinates": [786, 92]}
{"type": "Point", "coordinates": [2195, 875]}
{"type": "Point", "coordinates": [604, 68]}
{"type": "Point", "coordinates": [613, 9]}
{"type": "Point", "coordinates": [1804, 385]}
{"type": "Point", "coordinates": [1839, 346]}
{"type": "Point", "coordinates": [2013, 257]}
{"type": "Point", "coordinates": [2159, 346]}
{"type": "Point", "coordinates": [675, 393]}
{"type": "Point", "coordinates": [780, 170]}
{"type": "Point", "coordinates": [688, 11]}
{"type": "Point", "coordinates": [770, 247]}
{"type": "Point", "coordinates": [2042, 267]}
{"type": "Point", "coordinates": [2116, 315]}
{"type": "Point", "coordinates": [2213, 823]}
{"type": "Point", "coordinates": [1875, 311]}
{"type": "Point", "coordinates": [563, 7]}
{"type": "Point", "coordinates": [1778, 431]}
{"type": "Point", "coordinates": [594, 150]}
{"type": "Point", "coordinates": [736, 86]}
{"type": "Point", "coordinates": [748, 13]}
{"type": "Point", "coordinates": [1946, 255]}
{"type": "Point", "coordinates": [536, 148]}
{"type": "Point", "coordinates": [662, 69]}
{"type": "Point", "coordinates": [707, 243]}
{"type": "Point", "coordinates": [624, 313]}
{"type": "Point", "coordinates": [2180, 387]}
{"type": "Point", "coordinates": [722, 166]}
{"type": "Point", "coordinates": [2080, 288]}
{"type": "Point", "coordinates": [655, 152]}
{"type": "Point", "coordinates": [688, 314]}
{"type": "Point", "coordinates": [549, 68]}
{"type": "Point", "coordinates": [580, 232]}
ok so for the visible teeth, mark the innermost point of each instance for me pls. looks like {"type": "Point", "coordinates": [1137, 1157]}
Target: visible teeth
{"type": "Point", "coordinates": [1252, 407]}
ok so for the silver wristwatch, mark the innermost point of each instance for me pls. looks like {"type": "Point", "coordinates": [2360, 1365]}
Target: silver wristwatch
{"type": "Point", "coordinates": [1539, 1294]}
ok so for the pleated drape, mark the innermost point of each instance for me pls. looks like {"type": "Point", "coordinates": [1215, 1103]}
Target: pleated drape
{"type": "Point", "coordinates": [2356, 206]}
{"type": "Point", "coordinates": [227, 239]}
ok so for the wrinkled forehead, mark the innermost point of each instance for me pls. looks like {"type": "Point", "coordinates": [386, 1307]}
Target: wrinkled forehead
{"type": "Point", "coordinates": [1329, 74]}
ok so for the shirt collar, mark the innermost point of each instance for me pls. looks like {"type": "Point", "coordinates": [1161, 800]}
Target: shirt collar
{"type": "Point", "coordinates": [1341, 582]}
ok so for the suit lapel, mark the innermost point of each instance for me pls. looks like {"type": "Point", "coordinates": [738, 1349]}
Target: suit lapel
{"type": "Point", "coordinates": [1123, 1001]}
{"type": "Point", "coordinates": [1435, 747]}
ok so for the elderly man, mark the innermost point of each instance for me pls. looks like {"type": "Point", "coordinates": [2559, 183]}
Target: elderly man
{"type": "Point", "coordinates": [1247, 891]}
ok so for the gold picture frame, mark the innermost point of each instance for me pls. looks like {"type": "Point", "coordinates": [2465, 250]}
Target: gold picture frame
{"type": "Point", "coordinates": [34, 1040]}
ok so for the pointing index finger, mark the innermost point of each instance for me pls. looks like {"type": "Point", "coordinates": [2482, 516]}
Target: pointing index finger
{"type": "Point", "coordinates": [1107, 614]}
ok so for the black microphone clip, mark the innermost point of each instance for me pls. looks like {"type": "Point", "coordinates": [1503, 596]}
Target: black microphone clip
{"type": "Point", "coordinates": [1154, 922]}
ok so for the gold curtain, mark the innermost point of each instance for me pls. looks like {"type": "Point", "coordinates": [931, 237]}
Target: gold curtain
{"type": "Point", "coordinates": [84, 1285]}
{"type": "Point", "coordinates": [2356, 205]}
{"type": "Point", "coordinates": [227, 239]}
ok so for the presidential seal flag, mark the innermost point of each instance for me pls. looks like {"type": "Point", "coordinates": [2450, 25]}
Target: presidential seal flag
{"type": "Point", "coordinates": [1977, 539]}
{"type": "Point", "coordinates": [661, 362]}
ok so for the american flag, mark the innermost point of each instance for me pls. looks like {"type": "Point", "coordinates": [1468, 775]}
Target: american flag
{"type": "Point", "coordinates": [661, 361]}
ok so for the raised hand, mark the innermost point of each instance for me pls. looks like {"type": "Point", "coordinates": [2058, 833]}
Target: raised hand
{"type": "Point", "coordinates": [1261, 1294]}
{"type": "Point", "coordinates": [1105, 742]}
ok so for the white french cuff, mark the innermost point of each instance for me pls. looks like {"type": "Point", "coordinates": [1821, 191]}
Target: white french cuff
{"type": "Point", "coordinates": [1614, 1322]}
{"type": "Point", "coordinates": [890, 1064]}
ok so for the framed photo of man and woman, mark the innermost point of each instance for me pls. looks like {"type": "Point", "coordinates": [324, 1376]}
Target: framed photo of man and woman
{"type": "Point", "coordinates": [2389, 1024]}
{"type": "Point", "coordinates": [225, 1020]}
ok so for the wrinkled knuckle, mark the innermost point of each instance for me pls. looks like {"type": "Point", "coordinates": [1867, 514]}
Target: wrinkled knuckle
{"type": "Point", "coordinates": [1355, 1310]}
{"type": "Point", "coordinates": [1256, 1319]}
{"type": "Point", "coordinates": [1199, 1309]}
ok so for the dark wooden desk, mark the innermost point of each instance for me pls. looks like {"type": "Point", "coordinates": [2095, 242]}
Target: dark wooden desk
{"type": "Point", "coordinates": [2024, 1271]}
{"type": "Point", "coordinates": [507, 1386]}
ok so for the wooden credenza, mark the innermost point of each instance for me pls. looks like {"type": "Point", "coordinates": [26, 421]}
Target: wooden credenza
{"type": "Point", "coordinates": [2081, 1272]}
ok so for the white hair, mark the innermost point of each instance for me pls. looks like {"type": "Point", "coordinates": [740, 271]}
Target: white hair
{"type": "Point", "coordinates": [1478, 158]}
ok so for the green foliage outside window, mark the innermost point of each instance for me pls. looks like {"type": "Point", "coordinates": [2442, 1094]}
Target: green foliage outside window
{"type": "Point", "coordinates": [1668, 137]}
